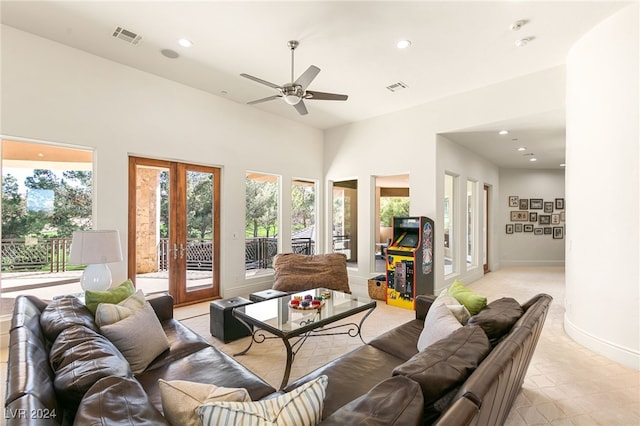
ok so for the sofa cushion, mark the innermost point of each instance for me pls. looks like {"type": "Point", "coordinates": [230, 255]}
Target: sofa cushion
{"type": "Point", "coordinates": [62, 313]}
{"type": "Point", "coordinates": [439, 324]}
{"type": "Point", "coordinates": [109, 313]}
{"type": "Point", "coordinates": [445, 364]}
{"type": "Point", "coordinates": [473, 302]}
{"type": "Point", "coordinates": [80, 357]}
{"type": "Point", "coordinates": [298, 272]}
{"type": "Point", "coordinates": [117, 401]}
{"type": "Point", "coordinates": [400, 341]}
{"type": "Point", "coordinates": [139, 337]}
{"type": "Point", "coordinates": [497, 318]}
{"type": "Point", "coordinates": [301, 407]}
{"type": "Point", "coordinates": [113, 295]}
{"type": "Point", "coordinates": [181, 399]}
{"type": "Point", "coordinates": [394, 401]}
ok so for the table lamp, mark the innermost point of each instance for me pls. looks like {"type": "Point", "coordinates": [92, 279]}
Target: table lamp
{"type": "Point", "coordinates": [95, 249]}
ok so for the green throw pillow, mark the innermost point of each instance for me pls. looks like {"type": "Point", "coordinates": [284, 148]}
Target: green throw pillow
{"type": "Point", "coordinates": [473, 302]}
{"type": "Point", "coordinates": [113, 295]}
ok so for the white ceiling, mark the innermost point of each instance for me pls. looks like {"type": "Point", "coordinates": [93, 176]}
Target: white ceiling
{"type": "Point", "coordinates": [456, 47]}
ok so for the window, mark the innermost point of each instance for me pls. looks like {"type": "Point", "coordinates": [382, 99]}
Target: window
{"type": "Point", "coordinates": [303, 216]}
{"type": "Point", "coordinates": [392, 199]}
{"type": "Point", "coordinates": [47, 193]}
{"type": "Point", "coordinates": [345, 220]}
{"type": "Point", "coordinates": [471, 223]}
{"type": "Point", "coordinates": [261, 222]}
{"type": "Point", "coordinates": [449, 224]}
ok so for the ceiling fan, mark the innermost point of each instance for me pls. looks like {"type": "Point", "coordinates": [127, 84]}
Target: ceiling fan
{"type": "Point", "coordinates": [295, 92]}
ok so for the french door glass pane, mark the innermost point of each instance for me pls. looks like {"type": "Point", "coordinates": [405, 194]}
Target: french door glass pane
{"type": "Point", "coordinates": [152, 229]}
{"type": "Point", "coordinates": [199, 248]}
{"type": "Point", "coordinates": [345, 220]}
{"type": "Point", "coordinates": [449, 224]}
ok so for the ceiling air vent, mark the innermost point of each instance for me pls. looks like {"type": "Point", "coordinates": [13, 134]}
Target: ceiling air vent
{"type": "Point", "coordinates": [397, 86]}
{"type": "Point", "coordinates": [126, 35]}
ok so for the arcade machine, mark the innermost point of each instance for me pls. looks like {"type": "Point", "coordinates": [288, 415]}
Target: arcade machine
{"type": "Point", "coordinates": [410, 261]}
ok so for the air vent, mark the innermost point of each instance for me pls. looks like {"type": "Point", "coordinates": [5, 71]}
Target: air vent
{"type": "Point", "coordinates": [126, 35]}
{"type": "Point", "coordinates": [397, 86]}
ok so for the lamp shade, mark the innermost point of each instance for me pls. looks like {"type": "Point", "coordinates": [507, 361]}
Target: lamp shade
{"type": "Point", "coordinates": [94, 247]}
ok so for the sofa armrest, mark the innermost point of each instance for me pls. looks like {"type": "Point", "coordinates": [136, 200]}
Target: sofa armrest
{"type": "Point", "coordinates": [423, 303]}
{"type": "Point", "coordinates": [162, 304]}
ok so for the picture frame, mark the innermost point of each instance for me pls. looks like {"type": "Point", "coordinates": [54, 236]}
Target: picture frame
{"type": "Point", "coordinates": [548, 206]}
{"type": "Point", "coordinates": [547, 230]}
{"type": "Point", "coordinates": [555, 219]}
{"type": "Point", "coordinates": [528, 227]}
{"type": "Point", "coordinates": [519, 216]}
{"type": "Point", "coordinates": [544, 219]}
{"type": "Point", "coordinates": [524, 204]}
{"type": "Point", "coordinates": [518, 227]}
{"type": "Point", "coordinates": [559, 203]}
{"type": "Point", "coordinates": [562, 216]}
{"type": "Point", "coordinates": [537, 231]}
{"type": "Point", "coordinates": [533, 216]}
{"type": "Point", "coordinates": [513, 201]}
{"type": "Point", "coordinates": [558, 232]}
{"type": "Point", "coordinates": [509, 228]}
{"type": "Point", "coordinates": [535, 204]}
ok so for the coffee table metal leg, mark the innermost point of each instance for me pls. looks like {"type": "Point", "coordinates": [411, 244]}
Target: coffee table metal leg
{"type": "Point", "coordinates": [287, 368]}
{"type": "Point", "coordinates": [250, 340]}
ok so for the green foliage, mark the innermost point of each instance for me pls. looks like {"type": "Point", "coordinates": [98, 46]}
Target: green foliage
{"type": "Point", "coordinates": [392, 206]}
{"type": "Point", "coordinates": [261, 214]}
{"type": "Point", "coordinates": [199, 204]}
{"type": "Point", "coordinates": [303, 199]}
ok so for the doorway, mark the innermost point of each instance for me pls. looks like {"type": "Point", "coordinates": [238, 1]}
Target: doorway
{"type": "Point", "coordinates": [174, 229]}
{"type": "Point", "coordinates": [485, 229]}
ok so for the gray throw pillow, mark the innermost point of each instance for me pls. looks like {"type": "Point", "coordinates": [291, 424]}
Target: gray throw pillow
{"type": "Point", "coordinates": [139, 337]}
{"type": "Point", "coordinates": [497, 318]}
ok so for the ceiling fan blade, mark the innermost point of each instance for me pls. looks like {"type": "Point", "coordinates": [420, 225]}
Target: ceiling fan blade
{"type": "Point", "coordinates": [261, 81]}
{"type": "Point", "coordinates": [268, 98]}
{"type": "Point", "coordinates": [307, 77]}
{"type": "Point", "coordinates": [312, 94]}
{"type": "Point", "coordinates": [301, 108]}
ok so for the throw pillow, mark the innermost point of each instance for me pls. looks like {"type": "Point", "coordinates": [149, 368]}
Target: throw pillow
{"type": "Point", "coordinates": [473, 302]}
{"type": "Point", "coordinates": [108, 313]}
{"type": "Point", "coordinates": [63, 313]}
{"type": "Point", "coordinates": [458, 310]}
{"type": "Point", "coordinates": [497, 318]}
{"type": "Point", "coordinates": [113, 295]}
{"type": "Point", "coordinates": [438, 324]}
{"type": "Point", "coordinates": [180, 399]}
{"type": "Point", "coordinates": [301, 407]}
{"type": "Point", "coordinates": [139, 337]}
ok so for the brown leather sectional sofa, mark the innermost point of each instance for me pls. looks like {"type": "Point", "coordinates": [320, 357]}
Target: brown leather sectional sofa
{"type": "Point", "coordinates": [386, 381]}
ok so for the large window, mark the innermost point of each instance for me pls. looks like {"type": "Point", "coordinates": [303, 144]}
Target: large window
{"type": "Point", "coordinates": [303, 216]}
{"type": "Point", "coordinates": [449, 224]}
{"type": "Point", "coordinates": [345, 220]}
{"type": "Point", "coordinates": [472, 220]}
{"type": "Point", "coordinates": [261, 222]}
{"type": "Point", "coordinates": [47, 193]}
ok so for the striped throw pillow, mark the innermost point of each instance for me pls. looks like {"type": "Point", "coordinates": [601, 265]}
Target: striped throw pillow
{"type": "Point", "coordinates": [300, 407]}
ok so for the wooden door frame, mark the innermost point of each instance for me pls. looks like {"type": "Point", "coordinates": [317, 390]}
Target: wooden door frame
{"type": "Point", "coordinates": [177, 235]}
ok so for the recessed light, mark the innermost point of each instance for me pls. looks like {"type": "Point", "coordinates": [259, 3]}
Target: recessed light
{"type": "Point", "coordinates": [522, 148]}
{"type": "Point", "coordinates": [523, 41]}
{"type": "Point", "coordinates": [563, 165]}
{"type": "Point", "coordinates": [185, 42]}
{"type": "Point", "coordinates": [533, 159]}
{"type": "Point", "coordinates": [503, 132]}
{"type": "Point", "coordinates": [403, 44]}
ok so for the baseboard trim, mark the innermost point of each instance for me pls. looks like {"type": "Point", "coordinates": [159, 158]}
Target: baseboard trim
{"type": "Point", "coordinates": [531, 262]}
{"type": "Point", "coordinates": [617, 353]}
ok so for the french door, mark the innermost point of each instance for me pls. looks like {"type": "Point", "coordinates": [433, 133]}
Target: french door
{"type": "Point", "coordinates": [174, 229]}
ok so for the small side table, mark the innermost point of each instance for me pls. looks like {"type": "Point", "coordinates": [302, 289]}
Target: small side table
{"type": "Point", "coordinates": [222, 324]}
{"type": "Point", "coordinates": [259, 296]}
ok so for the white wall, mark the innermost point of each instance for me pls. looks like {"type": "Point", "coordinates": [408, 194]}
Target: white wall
{"type": "Point", "coordinates": [525, 248]}
{"type": "Point", "coordinates": [51, 92]}
{"type": "Point", "coordinates": [602, 256]}
{"type": "Point", "coordinates": [405, 142]}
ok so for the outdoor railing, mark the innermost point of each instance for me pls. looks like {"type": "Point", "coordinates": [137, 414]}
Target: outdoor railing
{"type": "Point", "coordinates": [51, 254]}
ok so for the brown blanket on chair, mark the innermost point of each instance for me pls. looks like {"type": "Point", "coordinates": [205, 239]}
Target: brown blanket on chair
{"type": "Point", "coordinates": [298, 272]}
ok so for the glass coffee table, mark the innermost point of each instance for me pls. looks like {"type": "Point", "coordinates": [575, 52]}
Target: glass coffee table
{"type": "Point", "coordinates": [295, 326]}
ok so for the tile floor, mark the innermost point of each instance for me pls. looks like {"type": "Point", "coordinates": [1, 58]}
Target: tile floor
{"type": "Point", "coordinates": [566, 384]}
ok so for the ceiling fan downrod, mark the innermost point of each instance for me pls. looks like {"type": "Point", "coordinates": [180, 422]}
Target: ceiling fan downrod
{"type": "Point", "coordinates": [292, 45]}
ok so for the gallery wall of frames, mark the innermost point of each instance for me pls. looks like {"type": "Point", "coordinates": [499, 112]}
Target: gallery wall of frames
{"type": "Point", "coordinates": [536, 216]}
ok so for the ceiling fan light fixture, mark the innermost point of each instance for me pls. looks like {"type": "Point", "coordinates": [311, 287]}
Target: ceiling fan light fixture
{"type": "Point", "coordinates": [291, 99]}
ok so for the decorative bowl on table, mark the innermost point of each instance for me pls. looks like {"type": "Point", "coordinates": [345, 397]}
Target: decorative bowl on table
{"type": "Point", "coordinates": [306, 303]}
